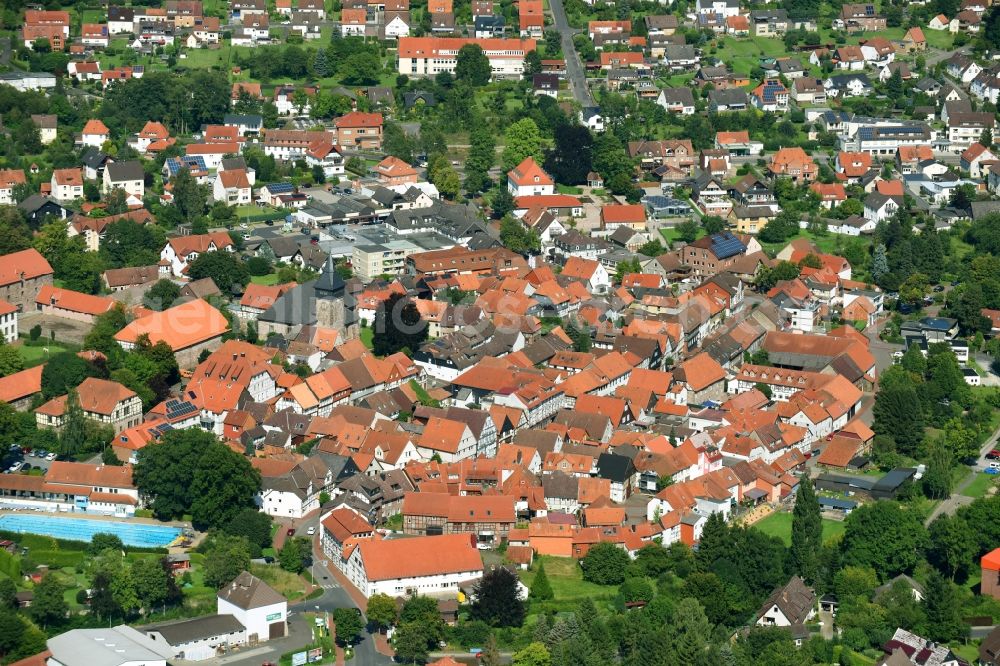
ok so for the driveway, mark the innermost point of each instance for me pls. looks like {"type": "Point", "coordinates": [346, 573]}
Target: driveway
{"type": "Point", "coordinates": [574, 70]}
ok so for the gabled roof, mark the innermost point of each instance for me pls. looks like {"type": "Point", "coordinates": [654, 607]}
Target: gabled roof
{"type": "Point", "coordinates": [529, 173]}
{"type": "Point", "coordinates": [181, 326]}
{"type": "Point", "coordinates": [249, 592]}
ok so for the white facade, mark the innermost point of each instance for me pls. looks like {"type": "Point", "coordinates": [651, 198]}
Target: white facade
{"type": "Point", "coordinates": [257, 620]}
{"type": "Point", "coordinates": [438, 585]}
{"type": "Point", "coordinates": [8, 327]}
{"type": "Point", "coordinates": [134, 188]}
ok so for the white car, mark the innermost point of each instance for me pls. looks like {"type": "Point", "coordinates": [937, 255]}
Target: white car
{"type": "Point", "coordinates": [16, 467]}
{"type": "Point", "coordinates": [311, 531]}
{"type": "Point", "coordinates": [50, 457]}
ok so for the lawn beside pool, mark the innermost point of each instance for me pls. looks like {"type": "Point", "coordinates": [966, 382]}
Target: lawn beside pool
{"type": "Point", "coordinates": [780, 525]}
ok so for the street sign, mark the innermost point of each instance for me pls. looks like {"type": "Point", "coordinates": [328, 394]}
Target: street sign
{"type": "Point", "coordinates": [299, 659]}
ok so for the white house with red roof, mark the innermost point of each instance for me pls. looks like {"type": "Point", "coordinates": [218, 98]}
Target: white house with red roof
{"type": "Point", "coordinates": [8, 322]}
{"type": "Point", "coordinates": [153, 135]}
{"type": "Point", "coordinates": [182, 250]}
{"type": "Point", "coordinates": [9, 179]}
{"type": "Point", "coordinates": [324, 154]}
{"type": "Point", "coordinates": [974, 158]}
{"type": "Point", "coordinates": [95, 133]}
{"type": "Point", "coordinates": [232, 187]}
{"type": "Point", "coordinates": [529, 179]}
{"type": "Point", "coordinates": [434, 566]}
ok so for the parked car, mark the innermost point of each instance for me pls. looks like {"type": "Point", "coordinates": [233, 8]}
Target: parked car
{"type": "Point", "coordinates": [50, 457]}
{"type": "Point", "coordinates": [16, 467]}
{"type": "Point", "coordinates": [311, 530]}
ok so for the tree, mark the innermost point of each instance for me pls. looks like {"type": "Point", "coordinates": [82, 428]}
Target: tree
{"type": "Point", "coordinates": [190, 198]}
{"type": "Point", "coordinates": [570, 159]}
{"type": "Point", "coordinates": [349, 625]}
{"type": "Point", "coordinates": [63, 372]}
{"type": "Point", "coordinates": [498, 599]}
{"type": "Point", "coordinates": [541, 590]}
{"type": "Point", "coordinates": [161, 295]}
{"type": "Point", "coordinates": [652, 248]}
{"type": "Point", "coordinates": [605, 564]}
{"type": "Point", "coordinates": [953, 546]}
{"type": "Point", "coordinates": [472, 65]}
{"type": "Point", "coordinates": [11, 360]}
{"type": "Point", "coordinates": [713, 224]}
{"type": "Point", "coordinates": [687, 231]}
{"type": "Point", "coordinates": [690, 633]}
{"type": "Point", "coordinates": [807, 531]}
{"type": "Point", "coordinates": [634, 589]}
{"type": "Point", "coordinates": [8, 594]}
{"type": "Point", "coordinates": [781, 228]}
{"type": "Point", "coordinates": [627, 267]}
{"type": "Point", "coordinates": [411, 643]}
{"type": "Point", "coordinates": [382, 611]}
{"type": "Point", "coordinates": [225, 269]}
{"type": "Point", "coordinates": [943, 610]}
{"type": "Point", "coordinates": [897, 414]}
{"type": "Point", "coordinates": [48, 606]}
{"type": "Point", "coordinates": [852, 581]}
{"type": "Point", "coordinates": [884, 536]}
{"type": "Point", "coordinates": [521, 140]}
{"type": "Point", "coordinates": [11, 630]}
{"type": "Point", "coordinates": [190, 471]}
{"type": "Point", "coordinates": [518, 238]}
{"type": "Point", "coordinates": [534, 654]}
{"type": "Point", "coordinates": [14, 233]}
{"type": "Point", "coordinates": [128, 243]}
{"type": "Point", "coordinates": [502, 203]}
{"type": "Point", "coordinates": [360, 69]}
{"type": "Point", "coordinates": [224, 482]}
{"type": "Point", "coordinates": [443, 175]}
{"type": "Point", "coordinates": [225, 558]}
{"type": "Point", "coordinates": [103, 541]}
{"type": "Point", "coordinates": [150, 581]}
{"type": "Point", "coordinates": [398, 326]}
{"type": "Point", "coordinates": [253, 525]}
{"type": "Point", "coordinates": [490, 656]}
{"type": "Point", "coordinates": [290, 556]}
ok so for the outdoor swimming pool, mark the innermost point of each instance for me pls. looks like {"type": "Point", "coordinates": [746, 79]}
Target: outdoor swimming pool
{"type": "Point", "coordinates": [82, 529]}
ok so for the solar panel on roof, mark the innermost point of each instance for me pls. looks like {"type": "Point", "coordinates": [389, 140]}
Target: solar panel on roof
{"type": "Point", "coordinates": [175, 164]}
{"type": "Point", "coordinates": [179, 408]}
{"type": "Point", "coordinates": [280, 188]}
{"type": "Point", "coordinates": [726, 245]}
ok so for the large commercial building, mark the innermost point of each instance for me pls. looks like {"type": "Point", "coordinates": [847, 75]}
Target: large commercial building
{"type": "Point", "coordinates": [427, 56]}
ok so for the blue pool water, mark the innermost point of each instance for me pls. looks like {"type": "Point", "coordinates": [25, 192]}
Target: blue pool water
{"type": "Point", "coordinates": [82, 529]}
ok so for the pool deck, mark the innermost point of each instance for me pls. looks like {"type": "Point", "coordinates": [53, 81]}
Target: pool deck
{"type": "Point", "coordinates": [199, 536]}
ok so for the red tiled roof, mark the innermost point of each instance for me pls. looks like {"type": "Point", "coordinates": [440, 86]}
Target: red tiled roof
{"type": "Point", "coordinates": [419, 557]}
{"type": "Point", "coordinates": [181, 326]}
{"type": "Point", "coordinates": [27, 264]}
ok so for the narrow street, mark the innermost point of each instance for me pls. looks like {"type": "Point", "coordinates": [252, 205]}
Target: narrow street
{"type": "Point", "coordinates": [574, 70]}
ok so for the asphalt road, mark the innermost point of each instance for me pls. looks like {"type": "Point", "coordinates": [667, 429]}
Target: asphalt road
{"type": "Point", "coordinates": [334, 596]}
{"type": "Point", "coordinates": [574, 70]}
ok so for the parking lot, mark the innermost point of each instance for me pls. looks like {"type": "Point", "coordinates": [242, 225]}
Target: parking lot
{"type": "Point", "coordinates": [16, 461]}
